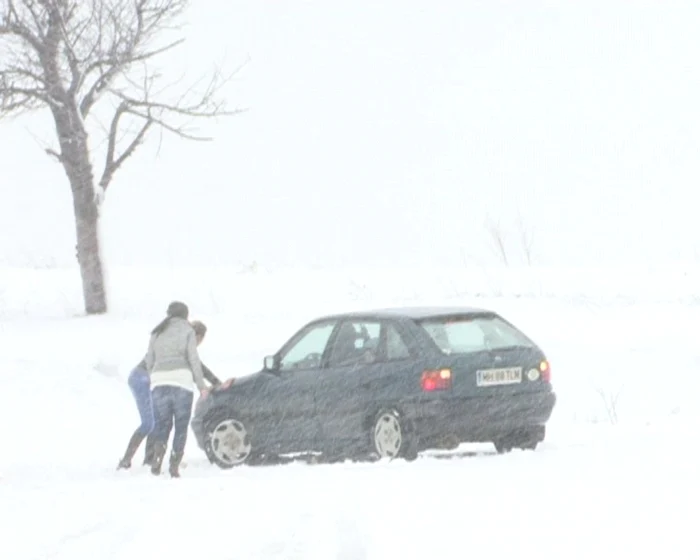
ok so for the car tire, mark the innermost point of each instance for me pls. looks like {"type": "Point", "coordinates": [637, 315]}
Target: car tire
{"type": "Point", "coordinates": [525, 439]}
{"type": "Point", "coordinates": [227, 441]}
{"type": "Point", "coordinates": [391, 436]}
{"type": "Point", "coordinates": [503, 446]}
{"type": "Point", "coordinates": [530, 438]}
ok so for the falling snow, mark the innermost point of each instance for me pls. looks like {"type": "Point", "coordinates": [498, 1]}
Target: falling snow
{"type": "Point", "coordinates": [593, 489]}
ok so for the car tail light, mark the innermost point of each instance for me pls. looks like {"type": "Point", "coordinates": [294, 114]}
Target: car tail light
{"type": "Point", "coordinates": [546, 371]}
{"type": "Point", "coordinates": [436, 380]}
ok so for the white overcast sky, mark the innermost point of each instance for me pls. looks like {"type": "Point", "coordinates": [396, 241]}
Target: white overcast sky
{"type": "Point", "coordinates": [385, 132]}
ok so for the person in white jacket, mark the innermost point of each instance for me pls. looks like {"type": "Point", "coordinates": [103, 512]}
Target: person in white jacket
{"type": "Point", "coordinates": [140, 385]}
{"type": "Point", "coordinates": [175, 372]}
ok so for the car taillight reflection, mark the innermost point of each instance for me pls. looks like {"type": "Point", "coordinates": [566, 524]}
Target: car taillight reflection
{"type": "Point", "coordinates": [436, 380]}
{"type": "Point", "coordinates": [546, 370]}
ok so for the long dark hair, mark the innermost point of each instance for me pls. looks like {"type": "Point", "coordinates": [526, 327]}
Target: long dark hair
{"type": "Point", "coordinates": [176, 309]}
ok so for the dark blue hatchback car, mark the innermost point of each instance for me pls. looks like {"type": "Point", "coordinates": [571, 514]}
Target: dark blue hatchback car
{"type": "Point", "coordinates": [384, 383]}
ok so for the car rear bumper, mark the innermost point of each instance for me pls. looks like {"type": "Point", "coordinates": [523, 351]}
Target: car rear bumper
{"type": "Point", "coordinates": [481, 419]}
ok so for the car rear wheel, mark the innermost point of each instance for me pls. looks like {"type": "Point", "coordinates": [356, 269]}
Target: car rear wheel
{"type": "Point", "coordinates": [227, 442]}
{"type": "Point", "coordinates": [391, 437]}
{"type": "Point", "coordinates": [526, 439]}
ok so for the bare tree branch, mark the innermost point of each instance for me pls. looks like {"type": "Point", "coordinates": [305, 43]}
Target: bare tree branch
{"type": "Point", "coordinates": [63, 20]}
{"type": "Point", "coordinates": [527, 238]}
{"type": "Point", "coordinates": [108, 70]}
{"type": "Point", "coordinates": [12, 24]}
{"type": "Point", "coordinates": [112, 162]}
{"type": "Point", "coordinates": [119, 54]}
{"type": "Point", "coordinates": [22, 87]}
{"type": "Point", "coordinates": [20, 91]}
{"type": "Point", "coordinates": [159, 114]}
{"type": "Point", "coordinates": [53, 153]}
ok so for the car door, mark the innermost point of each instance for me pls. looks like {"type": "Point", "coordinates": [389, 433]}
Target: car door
{"type": "Point", "coordinates": [291, 390]}
{"type": "Point", "coordinates": [344, 393]}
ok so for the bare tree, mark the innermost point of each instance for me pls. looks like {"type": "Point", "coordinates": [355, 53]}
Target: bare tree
{"type": "Point", "coordinates": [610, 399]}
{"type": "Point", "coordinates": [500, 237]}
{"type": "Point", "coordinates": [497, 238]}
{"type": "Point", "coordinates": [68, 56]}
{"type": "Point", "coordinates": [527, 238]}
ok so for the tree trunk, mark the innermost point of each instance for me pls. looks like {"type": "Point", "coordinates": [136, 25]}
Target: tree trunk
{"type": "Point", "coordinates": [75, 157]}
{"type": "Point", "coordinates": [88, 251]}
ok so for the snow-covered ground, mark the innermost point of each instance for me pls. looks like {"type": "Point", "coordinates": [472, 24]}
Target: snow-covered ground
{"type": "Point", "coordinates": [595, 489]}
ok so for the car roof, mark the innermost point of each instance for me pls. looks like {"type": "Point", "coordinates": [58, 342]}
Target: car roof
{"type": "Point", "coordinates": [410, 312]}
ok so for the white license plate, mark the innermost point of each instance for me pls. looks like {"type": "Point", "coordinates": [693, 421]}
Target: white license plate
{"type": "Point", "coordinates": [504, 376]}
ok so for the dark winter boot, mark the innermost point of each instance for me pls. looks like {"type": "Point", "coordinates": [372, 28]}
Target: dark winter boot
{"type": "Point", "coordinates": [134, 442]}
{"type": "Point", "coordinates": [158, 454]}
{"type": "Point", "coordinates": [148, 457]}
{"type": "Point", "coordinates": [175, 460]}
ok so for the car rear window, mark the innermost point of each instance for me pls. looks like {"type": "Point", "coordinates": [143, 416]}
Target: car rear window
{"type": "Point", "coordinates": [473, 333]}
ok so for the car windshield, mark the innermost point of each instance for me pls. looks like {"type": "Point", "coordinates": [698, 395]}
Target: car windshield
{"type": "Point", "coordinates": [473, 333]}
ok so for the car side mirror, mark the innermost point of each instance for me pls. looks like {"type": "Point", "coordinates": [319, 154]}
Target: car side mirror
{"type": "Point", "coordinates": [270, 363]}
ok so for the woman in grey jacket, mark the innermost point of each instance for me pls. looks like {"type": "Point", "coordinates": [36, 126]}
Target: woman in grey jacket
{"type": "Point", "coordinates": [175, 370]}
{"type": "Point", "coordinates": [140, 385]}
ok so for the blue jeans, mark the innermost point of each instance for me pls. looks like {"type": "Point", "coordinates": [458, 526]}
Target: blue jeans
{"type": "Point", "coordinates": [140, 385]}
{"type": "Point", "coordinates": [172, 406]}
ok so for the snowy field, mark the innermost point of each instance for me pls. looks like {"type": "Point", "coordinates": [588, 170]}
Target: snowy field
{"type": "Point", "coordinates": [611, 481]}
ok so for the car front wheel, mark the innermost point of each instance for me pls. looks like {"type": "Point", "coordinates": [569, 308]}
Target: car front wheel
{"type": "Point", "coordinates": [227, 442]}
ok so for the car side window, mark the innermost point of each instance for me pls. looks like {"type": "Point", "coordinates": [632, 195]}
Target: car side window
{"type": "Point", "coordinates": [357, 343]}
{"type": "Point", "coordinates": [396, 347]}
{"type": "Point", "coordinates": [307, 352]}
